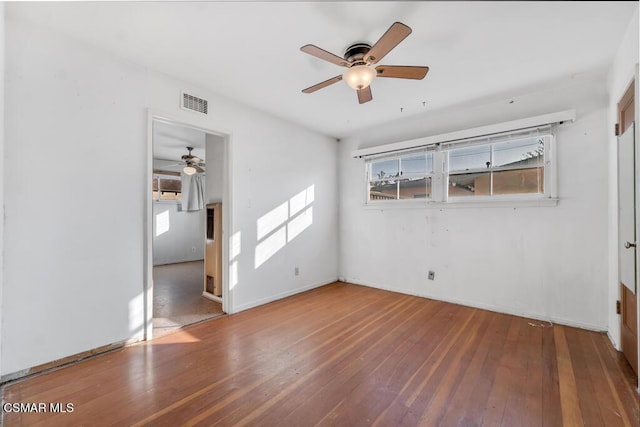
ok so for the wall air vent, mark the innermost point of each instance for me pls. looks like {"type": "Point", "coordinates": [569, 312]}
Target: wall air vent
{"type": "Point", "coordinates": [193, 103]}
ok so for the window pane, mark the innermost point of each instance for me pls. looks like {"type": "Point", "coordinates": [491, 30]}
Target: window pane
{"type": "Point", "coordinates": [519, 181]}
{"type": "Point", "coordinates": [413, 167]}
{"type": "Point", "coordinates": [470, 184]}
{"type": "Point", "coordinates": [384, 169]}
{"type": "Point", "coordinates": [415, 188]}
{"type": "Point", "coordinates": [383, 191]}
{"type": "Point", "coordinates": [477, 157]}
{"type": "Point", "coordinates": [521, 152]}
{"type": "Point", "coordinates": [170, 189]}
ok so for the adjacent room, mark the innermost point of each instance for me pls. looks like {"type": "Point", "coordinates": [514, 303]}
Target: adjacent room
{"type": "Point", "coordinates": [182, 236]}
{"type": "Point", "coordinates": [320, 213]}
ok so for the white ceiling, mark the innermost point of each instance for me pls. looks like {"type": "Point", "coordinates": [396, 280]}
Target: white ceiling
{"type": "Point", "coordinates": [249, 51]}
{"type": "Point", "coordinates": [170, 142]}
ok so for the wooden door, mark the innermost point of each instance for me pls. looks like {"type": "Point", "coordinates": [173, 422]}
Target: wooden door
{"type": "Point", "coordinates": [627, 229]}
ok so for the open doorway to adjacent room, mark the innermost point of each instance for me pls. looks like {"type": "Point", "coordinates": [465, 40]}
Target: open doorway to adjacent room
{"type": "Point", "coordinates": [188, 165]}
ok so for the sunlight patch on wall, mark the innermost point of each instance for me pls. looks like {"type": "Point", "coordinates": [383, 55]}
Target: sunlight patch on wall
{"type": "Point", "coordinates": [235, 245]}
{"type": "Point", "coordinates": [272, 220]}
{"type": "Point", "coordinates": [300, 223]}
{"type": "Point", "coordinates": [233, 275]}
{"type": "Point", "coordinates": [234, 251]}
{"type": "Point", "coordinates": [292, 218]}
{"type": "Point", "coordinates": [269, 246]}
{"type": "Point", "coordinates": [136, 314]}
{"type": "Point", "coordinates": [162, 223]}
{"type": "Point", "coordinates": [301, 201]}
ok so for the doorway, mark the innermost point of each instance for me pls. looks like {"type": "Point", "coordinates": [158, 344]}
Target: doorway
{"type": "Point", "coordinates": [627, 204]}
{"type": "Point", "coordinates": [189, 167]}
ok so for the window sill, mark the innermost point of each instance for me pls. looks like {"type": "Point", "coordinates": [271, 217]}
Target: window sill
{"type": "Point", "coordinates": [460, 204]}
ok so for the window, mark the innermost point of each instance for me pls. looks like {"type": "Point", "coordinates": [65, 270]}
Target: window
{"type": "Point", "coordinates": [506, 166]}
{"type": "Point", "coordinates": [403, 177]}
{"type": "Point", "coordinates": [167, 187]}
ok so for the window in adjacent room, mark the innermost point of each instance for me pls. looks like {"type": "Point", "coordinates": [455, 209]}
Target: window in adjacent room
{"type": "Point", "coordinates": [167, 187]}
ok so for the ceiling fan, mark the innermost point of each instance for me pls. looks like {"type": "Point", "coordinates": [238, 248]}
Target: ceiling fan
{"type": "Point", "coordinates": [359, 58]}
{"type": "Point", "coordinates": [192, 163]}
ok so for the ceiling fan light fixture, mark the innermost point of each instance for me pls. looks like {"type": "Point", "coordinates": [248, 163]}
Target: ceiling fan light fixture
{"type": "Point", "coordinates": [359, 76]}
{"type": "Point", "coordinates": [189, 170]}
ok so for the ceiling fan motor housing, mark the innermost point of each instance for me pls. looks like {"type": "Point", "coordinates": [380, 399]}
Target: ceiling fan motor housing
{"type": "Point", "coordinates": [355, 53]}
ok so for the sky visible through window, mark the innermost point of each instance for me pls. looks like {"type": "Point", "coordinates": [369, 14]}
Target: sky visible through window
{"type": "Point", "coordinates": [412, 167]}
{"type": "Point", "coordinates": [504, 154]}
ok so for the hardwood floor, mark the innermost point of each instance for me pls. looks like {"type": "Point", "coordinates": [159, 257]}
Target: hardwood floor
{"type": "Point", "coordinates": [347, 355]}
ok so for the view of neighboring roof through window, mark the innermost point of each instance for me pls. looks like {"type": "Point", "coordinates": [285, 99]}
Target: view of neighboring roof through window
{"type": "Point", "coordinates": [511, 167]}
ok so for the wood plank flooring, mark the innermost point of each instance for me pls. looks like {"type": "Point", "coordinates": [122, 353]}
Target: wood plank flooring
{"type": "Point", "coordinates": [351, 356]}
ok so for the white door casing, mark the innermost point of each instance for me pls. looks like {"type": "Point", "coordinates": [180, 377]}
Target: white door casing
{"type": "Point", "coordinates": [626, 209]}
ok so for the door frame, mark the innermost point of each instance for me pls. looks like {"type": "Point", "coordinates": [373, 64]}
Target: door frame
{"type": "Point", "coordinates": [227, 220]}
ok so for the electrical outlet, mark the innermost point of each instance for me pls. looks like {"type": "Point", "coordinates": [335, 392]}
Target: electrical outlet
{"type": "Point", "coordinates": [296, 271]}
{"type": "Point", "coordinates": [193, 249]}
{"type": "Point", "coordinates": [432, 275]}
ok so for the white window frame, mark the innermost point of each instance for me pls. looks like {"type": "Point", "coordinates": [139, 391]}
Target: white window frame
{"type": "Point", "coordinates": [398, 157]}
{"type": "Point", "coordinates": [440, 177]}
{"type": "Point", "coordinates": [548, 167]}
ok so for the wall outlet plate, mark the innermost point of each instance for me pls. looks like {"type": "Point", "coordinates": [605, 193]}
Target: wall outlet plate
{"type": "Point", "coordinates": [432, 275]}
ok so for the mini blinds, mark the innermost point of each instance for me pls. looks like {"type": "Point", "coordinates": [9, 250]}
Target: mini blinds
{"type": "Point", "coordinates": [498, 166]}
{"type": "Point", "coordinates": [402, 153]}
{"type": "Point", "coordinates": [469, 136]}
{"type": "Point", "coordinates": [511, 136]}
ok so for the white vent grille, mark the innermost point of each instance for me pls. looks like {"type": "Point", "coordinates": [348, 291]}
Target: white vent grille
{"type": "Point", "coordinates": [193, 103]}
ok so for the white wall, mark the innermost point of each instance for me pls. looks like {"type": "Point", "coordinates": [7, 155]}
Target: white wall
{"type": "Point", "coordinates": [543, 262]}
{"type": "Point", "coordinates": [73, 238]}
{"type": "Point", "coordinates": [620, 76]}
{"type": "Point", "coordinates": [272, 161]}
{"type": "Point", "coordinates": [181, 235]}
{"type": "Point", "coordinates": [216, 168]}
{"type": "Point", "coordinates": [74, 265]}
{"type": "Point", "coordinates": [2, 53]}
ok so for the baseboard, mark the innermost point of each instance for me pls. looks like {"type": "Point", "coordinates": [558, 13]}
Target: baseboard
{"type": "Point", "coordinates": [279, 296]}
{"type": "Point", "coordinates": [488, 307]}
{"type": "Point", "coordinates": [613, 341]}
{"type": "Point", "coordinates": [74, 358]}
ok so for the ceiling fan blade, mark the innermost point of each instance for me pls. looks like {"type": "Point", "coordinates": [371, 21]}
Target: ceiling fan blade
{"type": "Point", "coordinates": [323, 84]}
{"type": "Point", "coordinates": [198, 168]}
{"type": "Point", "coordinates": [193, 159]}
{"type": "Point", "coordinates": [323, 54]}
{"type": "Point", "coordinates": [364, 95]}
{"type": "Point", "coordinates": [394, 35]}
{"type": "Point", "coordinates": [402, 71]}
